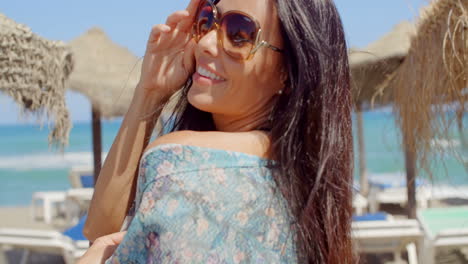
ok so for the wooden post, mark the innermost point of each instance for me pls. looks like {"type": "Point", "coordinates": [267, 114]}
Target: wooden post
{"type": "Point", "coordinates": [363, 181]}
{"type": "Point", "coordinates": [410, 164]}
{"type": "Point", "coordinates": [97, 142]}
{"type": "Point", "coordinates": [460, 113]}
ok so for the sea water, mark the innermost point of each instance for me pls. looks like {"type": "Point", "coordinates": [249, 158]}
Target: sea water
{"type": "Point", "coordinates": [28, 164]}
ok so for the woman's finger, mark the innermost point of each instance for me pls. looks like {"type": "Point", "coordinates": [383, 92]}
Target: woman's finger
{"type": "Point", "coordinates": [156, 32]}
{"type": "Point", "coordinates": [189, 57]}
{"type": "Point", "coordinates": [110, 240]}
{"type": "Point", "coordinates": [186, 24]}
{"type": "Point", "coordinates": [176, 17]}
{"type": "Point", "coordinates": [192, 6]}
{"type": "Point", "coordinates": [117, 237]}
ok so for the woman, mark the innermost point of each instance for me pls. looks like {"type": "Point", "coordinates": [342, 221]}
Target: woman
{"type": "Point", "coordinates": [258, 166]}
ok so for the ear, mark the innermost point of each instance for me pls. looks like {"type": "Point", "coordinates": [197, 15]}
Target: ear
{"type": "Point", "coordinates": [284, 78]}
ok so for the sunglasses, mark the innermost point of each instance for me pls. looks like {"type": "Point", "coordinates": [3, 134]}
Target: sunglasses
{"type": "Point", "coordinates": [238, 33]}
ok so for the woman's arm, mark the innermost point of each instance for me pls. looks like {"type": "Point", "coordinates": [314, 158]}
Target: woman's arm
{"type": "Point", "coordinates": [167, 64]}
{"type": "Point", "coordinates": [114, 190]}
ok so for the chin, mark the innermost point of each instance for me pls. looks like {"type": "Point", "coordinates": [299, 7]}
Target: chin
{"type": "Point", "coordinates": [200, 100]}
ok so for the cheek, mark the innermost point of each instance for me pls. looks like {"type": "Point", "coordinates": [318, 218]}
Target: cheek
{"type": "Point", "coordinates": [254, 81]}
{"type": "Point", "coordinates": [250, 85]}
{"type": "Point", "coordinates": [263, 76]}
{"type": "Point", "coordinates": [246, 86]}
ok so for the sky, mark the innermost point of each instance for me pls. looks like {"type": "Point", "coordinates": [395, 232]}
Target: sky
{"type": "Point", "coordinates": [128, 23]}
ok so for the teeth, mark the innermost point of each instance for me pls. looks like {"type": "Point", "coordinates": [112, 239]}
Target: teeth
{"type": "Point", "coordinates": [204, 72]}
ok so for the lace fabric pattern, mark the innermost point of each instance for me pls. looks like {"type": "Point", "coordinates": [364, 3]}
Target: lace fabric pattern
{"type": "Point", "coordinates": [202, 205]}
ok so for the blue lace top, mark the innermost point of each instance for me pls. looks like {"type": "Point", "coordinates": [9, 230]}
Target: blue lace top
{"type": "Point", "coordinates": [202, 205]}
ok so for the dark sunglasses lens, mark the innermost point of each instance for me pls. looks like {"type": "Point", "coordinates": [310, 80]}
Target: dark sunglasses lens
{"type": "Point", "coordinates": [239, 35]}
{"type": "Point", "coordinates": [205, 18]}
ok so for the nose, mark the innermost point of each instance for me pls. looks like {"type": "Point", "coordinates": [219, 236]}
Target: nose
{"type": "Point", "coordinates": [209, 43]}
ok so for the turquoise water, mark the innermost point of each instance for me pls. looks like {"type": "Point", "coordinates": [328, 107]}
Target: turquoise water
{"type": "Point", "coordinates": [384, 155]}
{"type": "Point", "coordinates": [28, 165]}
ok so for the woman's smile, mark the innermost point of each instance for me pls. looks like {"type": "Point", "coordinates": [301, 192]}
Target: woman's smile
{"type": "Point", "coordinates": [204, 76]}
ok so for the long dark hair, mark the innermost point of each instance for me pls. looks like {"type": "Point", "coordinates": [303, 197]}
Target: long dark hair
{"type": "Point", "coordinates": [310, 130]}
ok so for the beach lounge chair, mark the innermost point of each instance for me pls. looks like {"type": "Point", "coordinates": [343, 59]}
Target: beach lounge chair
{"type": "Point", "coordinates": [391, 189]}
{"type": "Point", "coordinates": [81, 177]}
{"type": "Point", "coordinates": [426, 195]}
{"type": "Point", "coordinates": [444, 229]}
{"type": "Point", "coordinates": [379, 233]}
{"type": "Point", "coordinates": [396, 196]}
{"type": "Point", "coordinates": [441, 192]}
{"type": "Point", "coordinates": [70, 204]}
{"type": "Point", "coordinates": [359, 204]}
{"type": "Point", "coordinates": [77, 202]}
{"type": "Point", "coordinates": [47, 205]}
{"type": "Point", "coordinates": [71, 244]}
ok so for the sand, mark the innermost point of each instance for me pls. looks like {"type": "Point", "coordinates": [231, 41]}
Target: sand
{"type": "Point", "coordinates": [21, 217]}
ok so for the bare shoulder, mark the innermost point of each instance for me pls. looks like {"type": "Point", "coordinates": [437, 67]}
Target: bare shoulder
{"type": "Point", "coordinates": [253, 143]}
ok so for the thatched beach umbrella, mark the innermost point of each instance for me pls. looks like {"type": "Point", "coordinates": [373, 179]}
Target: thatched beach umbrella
{"type": "Point", "coordinates": [107, 74]}
{"type": "Point", "coordinates": [33, 71]}
{"type": "Point", "coordinates": [434, 74]}
{"type": "Point", "coordinates": [371, 68]}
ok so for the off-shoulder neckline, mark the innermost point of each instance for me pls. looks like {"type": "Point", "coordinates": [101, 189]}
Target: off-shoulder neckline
{"type": "Point", "coordinates": [238, 153]}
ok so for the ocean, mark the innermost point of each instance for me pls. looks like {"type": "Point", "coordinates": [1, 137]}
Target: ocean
{"type": "Point", "coordinates": [28, 164]}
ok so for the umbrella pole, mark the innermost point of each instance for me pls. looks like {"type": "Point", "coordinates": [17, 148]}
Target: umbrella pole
{"type": "Point", "coordinates": [460, 113]}
{"type": "Point", "coordinates": [410, 163]}
{"type": "Point", "coordinates": [97, 142]}
{"type": "Point", "coordinates": [364, 184]}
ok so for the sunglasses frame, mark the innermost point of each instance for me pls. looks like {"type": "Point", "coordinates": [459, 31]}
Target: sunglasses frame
{"type": "Point", "coordinates": [217, 25]}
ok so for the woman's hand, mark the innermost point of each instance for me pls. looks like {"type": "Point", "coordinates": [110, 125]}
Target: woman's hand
{"type": "Point", "coordinates": [168, 63]}
{"type": "Point", "coordinates": [169, 58]}
{"type": "Point", "coordinates": [102, 249]}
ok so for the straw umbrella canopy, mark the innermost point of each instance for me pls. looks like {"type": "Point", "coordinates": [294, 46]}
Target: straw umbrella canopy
{"type": "Point", "coordinates": [434, 74]}
{"type": "Point", "coordinates": [371, 70]}
{"type": "Point", "coordinates": [33, 71]}
{"type": "Point", "coordinates": [107, 74]}
{"type": "Point", "coordinates": [373, 66]}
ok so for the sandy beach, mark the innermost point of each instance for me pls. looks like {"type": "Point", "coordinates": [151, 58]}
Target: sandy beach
{"type": "Point", "coordinates": [21, 217]}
